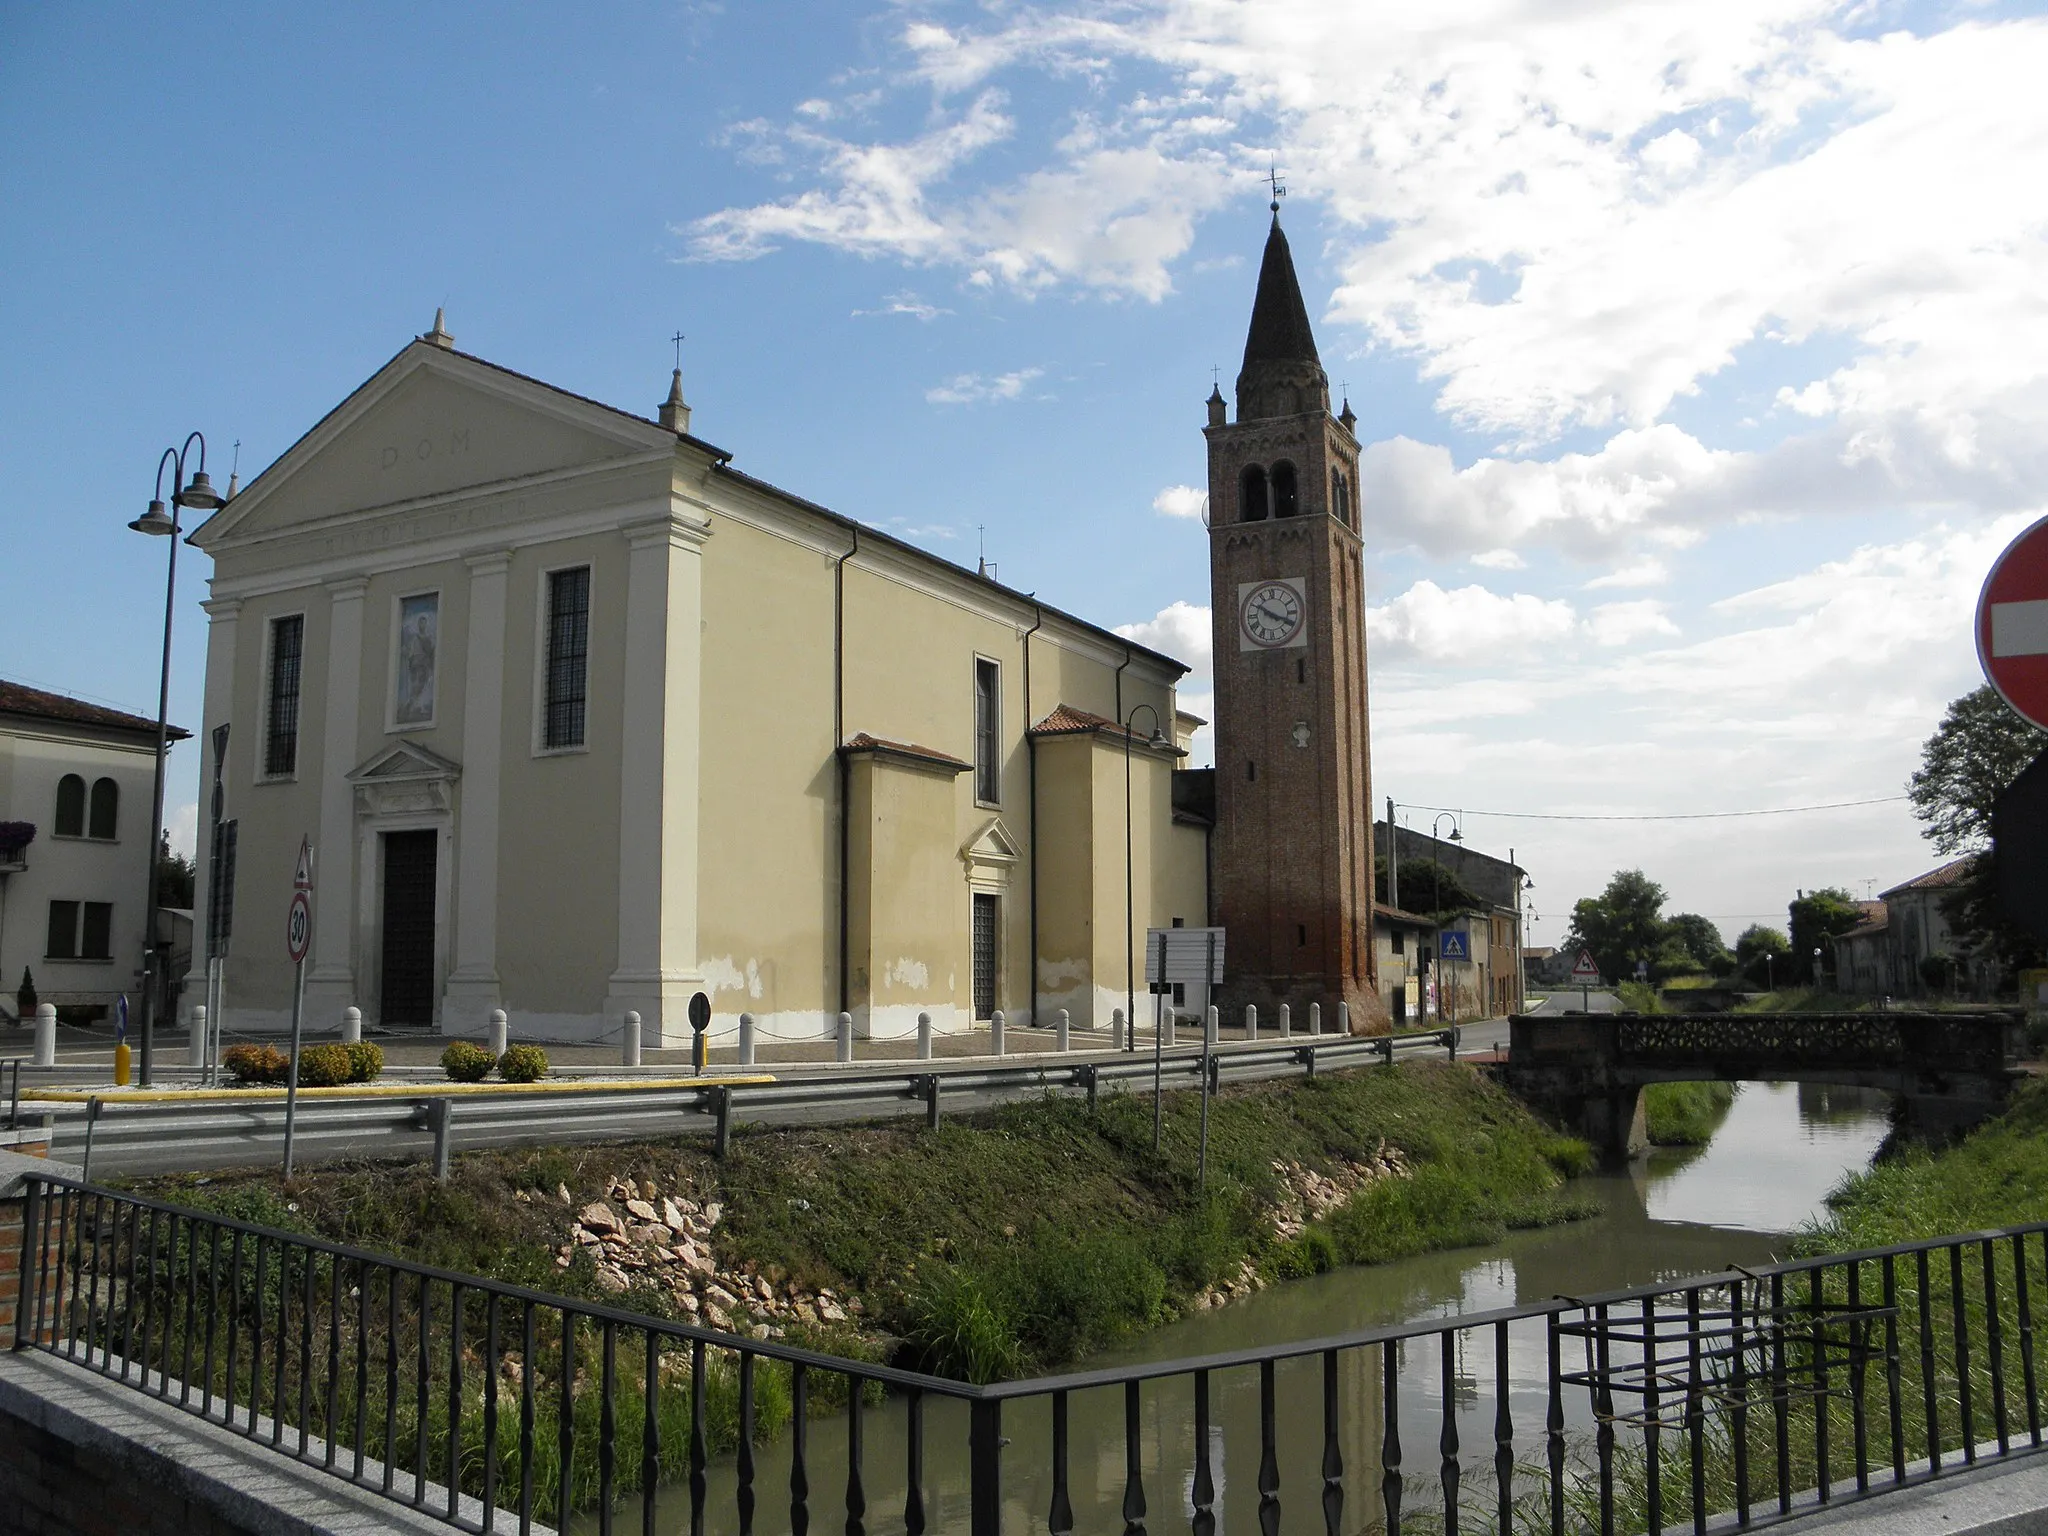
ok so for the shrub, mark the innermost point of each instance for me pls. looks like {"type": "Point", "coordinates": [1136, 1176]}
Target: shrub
{"type": "Point", "coordinates": [365, 1061]}
{"type": "Point", "coordinates": [467, 1062]}
{"type": "Point", "coordinates": [323, 1066]}
{"type": "Point", "coordinates": [959, 1328]}
{"type": "Point", "coordinates": [25, 999]}
{"type": "Point", "coordinates": [256, 1063]}
{"type": "Point", "coordinates": [523, 1064]}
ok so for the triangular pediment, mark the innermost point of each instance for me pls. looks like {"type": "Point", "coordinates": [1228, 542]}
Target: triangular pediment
{"type": "Point", "coordinates": [405, 760]}
{"type": "Point", "coordinates": [993, 844]}
{"type": "Point", "coordinates": [429, 423]}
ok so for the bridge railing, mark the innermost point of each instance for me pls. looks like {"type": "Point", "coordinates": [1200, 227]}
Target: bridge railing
{"type": "Point", "coordinates": [1983, 1042]}
{"type": "Point", "coordinates": [1747, 1394]}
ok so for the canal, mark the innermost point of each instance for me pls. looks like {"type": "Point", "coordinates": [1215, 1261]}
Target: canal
{"type": "Point", "coordinates": [1674, 1213]}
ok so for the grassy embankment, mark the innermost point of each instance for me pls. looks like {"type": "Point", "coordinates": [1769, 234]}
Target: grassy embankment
{"type": "Point", "coordinates": [1686, 1114]}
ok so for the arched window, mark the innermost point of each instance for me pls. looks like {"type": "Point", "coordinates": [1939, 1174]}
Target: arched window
{"type": "Point", "coordinates": [106, 807]}
{"type": "Point", "coordinates": [71, 806]}
{"type": "Point", "coordinates": [1286, 496]}
{"type": "Point", "coordinates": [1340, 498]}
{"type": "Point", "coordinates": [1251, 495]}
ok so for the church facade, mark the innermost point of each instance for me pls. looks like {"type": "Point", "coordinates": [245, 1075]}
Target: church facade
{"type": "Point", "coordinates": [580, 718]}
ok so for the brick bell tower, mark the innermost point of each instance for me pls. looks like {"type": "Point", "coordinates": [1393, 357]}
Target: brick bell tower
{"type": "Point", "coordinates": [1293, 881]}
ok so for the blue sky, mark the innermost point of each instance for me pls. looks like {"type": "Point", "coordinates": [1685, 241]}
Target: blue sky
{"type": "Point", "coordinates": [1698, 348]}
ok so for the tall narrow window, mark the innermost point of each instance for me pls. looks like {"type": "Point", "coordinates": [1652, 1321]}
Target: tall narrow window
{"type": "Point", "coordinates": [564, 709]}
{"type": "Point", "coordinates": [1251, 495]}
{"type": "Point", "coordinates": [985, 928]}
{"type": "Point", "coordinates": [988, 731]}
{"type": "Point", "coordinates": [106, 808]}
{"type": "Point", "coordinates": [281, 717]}
{"type": "Point", "coordinates": [62, 943]}
{"type": "Point", "coordinates": [1286, 494]}
{"type": "Point", "coordinates": [1340, 498]}
{"type": "Point", "coordinates": [95, 942]}
{"type": "Point", "coordinates": [71, 806]}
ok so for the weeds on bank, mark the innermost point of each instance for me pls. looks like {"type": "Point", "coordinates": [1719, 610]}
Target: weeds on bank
{"type": "Point", "coordinates": [1686, 1114]}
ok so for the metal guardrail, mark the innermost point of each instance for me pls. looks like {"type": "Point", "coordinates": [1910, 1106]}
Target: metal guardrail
{"type": "Point", "coordinates": [1755, 1394]}
{"type": "Point", "coordinates": [167, 1136]}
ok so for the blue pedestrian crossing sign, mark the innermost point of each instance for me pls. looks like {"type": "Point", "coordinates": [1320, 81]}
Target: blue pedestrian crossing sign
{"type": "Point", "coordinates": [1453, 945]}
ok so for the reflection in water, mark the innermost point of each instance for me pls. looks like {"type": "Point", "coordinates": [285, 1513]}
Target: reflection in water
{"type": "Point", "coordinates": [1779, 1151]}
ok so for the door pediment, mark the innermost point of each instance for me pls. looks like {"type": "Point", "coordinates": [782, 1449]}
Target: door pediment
{"type": "Point", "coordinates": [430, 423]}
{"type": "Point", "coordinates": [990, 852]}
{"type": "Point", "coordinates": [405, 779]}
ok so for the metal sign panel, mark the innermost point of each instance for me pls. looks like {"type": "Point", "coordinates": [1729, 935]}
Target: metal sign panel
{"type": "Point", "coordinates": [302, 873]}
{"type": "Point", "coordinates": [298, 927]}
{"type": "Point", "coordinates": [2012, 624]}
{"type": "Point", "coordinates": [1452, 944]}
{"type": "Point", "coordinates": [1585, 969]}
{"type": "Point", "coordinates": [1184, 955]}
{"type": "Point", "coordinates": [2019, 842]}
{"type": "Point", "coordinates": [220, 889]}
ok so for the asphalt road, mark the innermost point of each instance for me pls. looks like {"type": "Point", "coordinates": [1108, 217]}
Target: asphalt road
{"type": "Point", "coordinates": [1574, 1000]}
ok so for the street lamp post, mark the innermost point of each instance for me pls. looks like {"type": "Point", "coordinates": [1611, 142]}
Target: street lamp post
{"type": "Point", "coordinates": [1130, 929]}
{"type": "Point", "coordinates": [197, 493]}
{"type": "Point", "coordinates": [1443, 975]}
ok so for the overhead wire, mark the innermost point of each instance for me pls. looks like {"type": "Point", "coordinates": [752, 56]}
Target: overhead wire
{"type": "Point", "coordinates": [1782, 810]}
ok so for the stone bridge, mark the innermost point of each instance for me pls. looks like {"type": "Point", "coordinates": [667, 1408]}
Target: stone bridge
{"type": "Point", "coordinates": [1949, 1070]}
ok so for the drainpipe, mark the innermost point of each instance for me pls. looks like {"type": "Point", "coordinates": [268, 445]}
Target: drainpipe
{"type": "Point", "coordinates": [1031, 788]}
{"type": "Point", "coordinates": [839, 756]}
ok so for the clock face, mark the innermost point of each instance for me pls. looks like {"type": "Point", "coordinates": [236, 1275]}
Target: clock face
{"type": "Point", "coordinates": [1270, 614]}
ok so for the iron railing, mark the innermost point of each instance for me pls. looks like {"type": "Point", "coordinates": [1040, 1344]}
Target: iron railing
{"type": "Point", "coordinates": [1735, 1398]}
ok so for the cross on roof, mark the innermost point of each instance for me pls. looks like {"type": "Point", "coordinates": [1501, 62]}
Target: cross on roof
{"type": "Point", "coordinates": [678, 340]}
{"type": "Point", "coordinates": [1277, 183]}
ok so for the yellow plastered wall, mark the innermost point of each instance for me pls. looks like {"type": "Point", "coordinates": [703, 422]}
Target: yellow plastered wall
{"type": "Point", "coordinates": [909, 949]}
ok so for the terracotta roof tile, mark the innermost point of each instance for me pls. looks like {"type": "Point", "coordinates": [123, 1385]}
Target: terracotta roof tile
{"type": "Point", "coordinates": [1066, 720]}
{"type": "Point", "coordinates": [1937, 879]}
{"type": "Point", "coordinates": [863, 742]}
{"type": "Point", "coordinates": [36, 704]}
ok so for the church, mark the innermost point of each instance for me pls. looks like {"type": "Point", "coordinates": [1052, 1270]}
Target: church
{"type": "Point", "coordinates": [578, 717]}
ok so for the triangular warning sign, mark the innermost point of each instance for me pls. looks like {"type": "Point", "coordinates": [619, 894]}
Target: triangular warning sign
{"type": "Point", "coordinates": [1585, 969]}
{"type": "Point", "coordinates": [302, 875]}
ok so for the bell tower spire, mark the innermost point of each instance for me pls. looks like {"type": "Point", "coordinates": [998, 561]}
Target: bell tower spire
{"type": "Point", "coordinates": [1293, 842]}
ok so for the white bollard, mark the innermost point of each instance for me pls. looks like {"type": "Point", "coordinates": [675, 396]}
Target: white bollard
{"type": "Point", "coordinates": [995, 1033]}
{"type": "Point", "coordinates": [629, 1038]}
{"type": "Point", "coordinates": [1116, 1026]}
{"type": "Point", "coordinates": [1065, 1040]}
{"type": "Point", "coordinates": [46, 1035]}
{"type": "Point", "coordinates": [195, 1048]}
{"type": "Point", "coordinates": [1286, 1022]}
{"type": "Point", "coordinates": [924, 1037]}
{"type": "Point", "coordinates": [746, 1039]}
{"type": "Point", "coordinates": [1343, 1018]}
{"type": "Point", "coordinates": [352, 1027]}
{"type": "Point", "coordinates": [1168, 1019]}
{"type": "Point", "coordinates": [846, 1037]}
{"type": "Point", "coordinates": [1315, 1018]}
{"type": "Point", "coordinates": [498, 1030]}
{"type": "Point", "coordinates": [1251, 1021]}
{"type": "Point", "coordinates": [1212, 1026]}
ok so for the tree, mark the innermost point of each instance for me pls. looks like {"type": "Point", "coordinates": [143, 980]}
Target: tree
{"type": "Point", "coordinates": [1427, 887]}
{"type": "Point", "coordinates": [1979, 748]}
{"type": "Point", "coordinates": [1753, 945]}
{"type": "Point", "coordinates": [25, 997]}
{"type": "Point", "coordinates": [1817, 917]}
{"type": "Point", "coordinates": [1700, 941]}
{"type": "Point", "coordinates": [176, 877]}
{"type": "Point", "coordinates": [1622, 925]}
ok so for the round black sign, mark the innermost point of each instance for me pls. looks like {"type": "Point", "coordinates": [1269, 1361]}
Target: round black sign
{"type": "Point", "coordinates": [700, 1012]}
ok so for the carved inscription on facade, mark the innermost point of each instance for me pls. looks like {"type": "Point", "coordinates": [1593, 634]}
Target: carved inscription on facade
{"type": "Point", "coordinates": [445, 445]}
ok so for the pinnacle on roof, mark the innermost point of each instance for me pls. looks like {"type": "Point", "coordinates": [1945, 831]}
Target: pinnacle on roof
{"type": "Point", "coordinates": [439, 336]}
{"type": "Point", "coordinates": [1280, 330]}
{"type": "Point", "coordinates": [675, 413]}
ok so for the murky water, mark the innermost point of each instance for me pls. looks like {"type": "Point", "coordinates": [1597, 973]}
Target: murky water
{"type": "Point", "coordinates": [1779, 1151]}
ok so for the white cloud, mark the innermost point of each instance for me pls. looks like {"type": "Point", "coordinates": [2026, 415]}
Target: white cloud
{"type": "Point", "coordinates": [1466, 624]}
{"type": "Point", "coordinates": [1498, 560]}
{"type": "Point", "coordinates": [982, 389]}
{"type": "Point", "coordinates": [1183, 631]}
{"type": "Point", "coordinates": [906, 304]}
{"type": "Point", "coordinates": [1649, 571]}
{"type": "Point", "coordinates": [1622, 623]}
{"type": "Point", "coordinates": [1182, 501]}
{"type": "Point", "coordinates": [183, 827]}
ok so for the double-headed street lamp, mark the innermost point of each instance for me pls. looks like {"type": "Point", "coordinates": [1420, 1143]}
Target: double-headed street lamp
{"type": "Point", "coordinates": [1443, 975]}
{"type": "Point", "coordinates": [1157, 742]}
{"type": "Point", "coordinates": [198, 494]}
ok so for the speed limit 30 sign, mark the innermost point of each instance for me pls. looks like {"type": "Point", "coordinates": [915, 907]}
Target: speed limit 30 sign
{"type": "Point", "coordinates": [298, 918]}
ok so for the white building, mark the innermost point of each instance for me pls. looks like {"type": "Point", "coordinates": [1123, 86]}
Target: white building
{"type": "Point", "coordinates": [72, 889]}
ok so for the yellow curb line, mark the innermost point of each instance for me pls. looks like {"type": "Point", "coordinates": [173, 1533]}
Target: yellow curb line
{"type": "Point", "coordinates": [377, 1090]}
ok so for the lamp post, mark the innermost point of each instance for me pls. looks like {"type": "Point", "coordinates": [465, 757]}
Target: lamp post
{"type": "Point", "coordinates": [1443, 975]}
{"type": "Point", "coordinates": [197, 493]}
{"type": "Point", "coordinates": [1130, 930]}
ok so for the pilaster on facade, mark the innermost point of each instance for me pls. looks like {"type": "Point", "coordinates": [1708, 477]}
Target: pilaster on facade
{"type": "Point", "coordinates": [223, 622]}
{"type": "Point", "coordinates": [472, 989]}
{"type": "Point", "coordinates": [331, 976]}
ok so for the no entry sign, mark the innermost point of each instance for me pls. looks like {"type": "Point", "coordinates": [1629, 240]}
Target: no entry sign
{"type": "Point", "coordinates": [2012, 624]}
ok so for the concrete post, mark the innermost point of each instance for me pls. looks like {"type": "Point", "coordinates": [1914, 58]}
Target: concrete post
{"type": "Point", "coordinates": [352, 1027]}
{"type": "Point", "coordinates": [1166, 1023]}
{"type": "Point", "coordinates": [1343, 1018]}
{"type": "Point", "coordinates": [46, 1035]}
{"type": "Point", "coordinates": [846, 1037]}
{"type": "Point", "coordinates": [1251, 1021]}
{"type": "Point", "coordinates": [441, 1121]}
{"type": "Point", "coordinates": [1315, 1018]}
{"type": "Point", "coordinates": [498, 1031]}
{"type": "Point", "coordinates": [1116, 1026]}
{"type": "Point", "coordinates": [924, 1037]}
{"type": "Point", "coordinates": [746, 1039]}
{"type": "Point", "coordinates": [1064, 1038]}
{"type": "Point", "coordinates": [1212, 1026]}
{"type": "Point", "coordinates": [195, 1048]}
{"type": "Point", "coordinates": [995, 1033]}
{"type": "Point", "coordinates": [629, 1039]}
{"type": "Point", "coordinates": [1286, 1022]}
